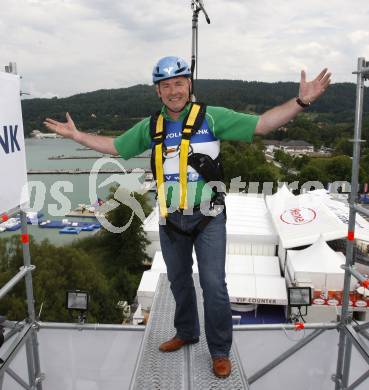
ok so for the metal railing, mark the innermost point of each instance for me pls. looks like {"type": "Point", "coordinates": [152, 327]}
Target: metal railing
{"type": "Point", "coordinates": [27, 331]}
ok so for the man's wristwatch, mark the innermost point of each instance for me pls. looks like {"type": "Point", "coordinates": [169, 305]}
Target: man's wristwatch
{"type": "Point", "coordinates": [301, 103]}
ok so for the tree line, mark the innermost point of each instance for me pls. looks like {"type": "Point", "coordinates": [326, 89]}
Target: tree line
{"type": "Point", "coordinates": [119, 109]}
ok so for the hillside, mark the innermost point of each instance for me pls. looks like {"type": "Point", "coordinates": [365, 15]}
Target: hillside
{"type": "Point", "coordinates": [118, 109]}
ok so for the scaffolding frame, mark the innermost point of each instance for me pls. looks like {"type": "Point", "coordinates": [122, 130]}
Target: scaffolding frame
{"type": "Point", "coordinates": [350, 333]}
{"type": "Point", "coordinates": [27, 331]}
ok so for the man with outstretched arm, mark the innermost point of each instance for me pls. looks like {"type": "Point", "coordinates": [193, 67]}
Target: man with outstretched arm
{"type": "Point", "coordinates": [185, 141]}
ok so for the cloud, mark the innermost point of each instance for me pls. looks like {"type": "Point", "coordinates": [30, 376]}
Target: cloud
{"type": "Point", "coordinates": [63, 47]}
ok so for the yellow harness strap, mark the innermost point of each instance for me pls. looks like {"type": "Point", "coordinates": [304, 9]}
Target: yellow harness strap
{"type": "Point", "coordinates": [159, 166]}
{"type": "Point", "coordinates": [183, 157]}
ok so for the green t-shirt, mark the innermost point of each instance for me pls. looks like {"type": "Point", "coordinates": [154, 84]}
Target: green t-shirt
{"type": "Point", "coordinates": [225, 124]}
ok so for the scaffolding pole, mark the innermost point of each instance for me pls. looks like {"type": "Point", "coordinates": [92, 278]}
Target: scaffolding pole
{"type": "Point", "coordinates": [348, 335]}
{"type": "Point", "coordinates": [77, 326]}
{"type": "Point", "coordinates": [32, 346]}
{"type": "Point", "coordinates": [14, 280]}
{"type": "Point", "coordinates": [319, 325]}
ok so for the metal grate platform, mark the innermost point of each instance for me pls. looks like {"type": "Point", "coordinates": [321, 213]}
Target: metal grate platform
{"type": "Point", "coordinates": [188, 368]}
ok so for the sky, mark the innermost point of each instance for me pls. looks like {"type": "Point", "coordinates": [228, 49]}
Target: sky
{"type": "Point", "coordinates": [64, 47]}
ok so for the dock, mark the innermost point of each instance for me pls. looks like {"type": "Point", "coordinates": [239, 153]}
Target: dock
{"type": "Point", "coordinates": [78, 171]}
{"type": "Point", "coordinates": [81, 214]}
{"type": "Point", "coordinates": [62, 157]}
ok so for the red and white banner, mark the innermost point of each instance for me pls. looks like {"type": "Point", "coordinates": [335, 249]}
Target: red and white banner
{"type": "Point", "coordinates": [13, 170]}
{"type": "Point", "coordinates": [335, 298]}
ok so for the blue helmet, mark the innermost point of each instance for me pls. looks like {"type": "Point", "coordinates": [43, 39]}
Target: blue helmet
{"type": "Point", "coordinates": [169, 67]}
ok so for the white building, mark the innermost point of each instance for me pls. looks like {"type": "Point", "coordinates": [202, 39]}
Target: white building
{"type": "Point", "coordinates": [291, 147]}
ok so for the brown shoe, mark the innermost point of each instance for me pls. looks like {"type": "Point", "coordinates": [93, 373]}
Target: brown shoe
{"type": "Point", "coordinates": [175, 343]}
{"type": "Point", "coordinates": [222, 367]}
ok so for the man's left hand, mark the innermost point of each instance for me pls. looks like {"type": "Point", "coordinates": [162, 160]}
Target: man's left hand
{"type": "Point", "coordinates": [310, 90]}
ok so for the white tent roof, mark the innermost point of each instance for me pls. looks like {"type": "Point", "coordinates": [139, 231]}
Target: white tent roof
{"type": "Point", "coordinates": [258, 265]}
{"type": "Point", "coordinates": [341, 210]}
{"type": "Point", "coordinates": [235, 264]}
{"type": "Point", "coordinates": [279, 198]}
{"type": "Point", "coordinates": [247, 220]}
{"type": "Point", "coordinates": [148, 283]}
{"type": "Point", "coordinates": [300, 220]}
{"type": "Point", "coordinates": [251, 279]}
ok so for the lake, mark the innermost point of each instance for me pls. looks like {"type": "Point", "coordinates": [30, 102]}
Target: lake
{"type": "Point", "coordinates": [74, 189]}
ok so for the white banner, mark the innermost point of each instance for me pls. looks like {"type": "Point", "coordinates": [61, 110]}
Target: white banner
{"type": "Point", "coordinates": [13, 170]}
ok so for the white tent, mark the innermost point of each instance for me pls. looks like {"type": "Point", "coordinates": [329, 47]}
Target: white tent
{"type": "Point", "coordinates": [235, 264]}
{"type": "Point", "coordinates": [300, 220]}
{"type": "Point", "coordinates": [146, 289]}
{"type": "Point", "coordinates": [318, 266]}
{"type": "Point", "coordinates": [249, 227]}
{"type": "Point", "coordinates": [257, 289]}
{"type": "Point", "coordinates": [250, 279]}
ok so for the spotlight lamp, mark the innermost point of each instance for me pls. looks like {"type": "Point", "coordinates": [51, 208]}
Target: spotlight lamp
{"type": "Point", "coordinates": [299, 297]}
{"type": "Point", "coordinates": [77, 301]}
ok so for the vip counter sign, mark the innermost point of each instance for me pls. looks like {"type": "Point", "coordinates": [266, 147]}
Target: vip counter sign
{"type": "Point", "coordinates": [13, 171]}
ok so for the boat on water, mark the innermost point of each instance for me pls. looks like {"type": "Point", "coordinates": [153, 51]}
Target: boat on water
{"type": "Point", "coordinates": [11, 225]}
{"type": "Point", "coordinates": [70, 230]}
{"type": "Point", "coordinates": [60, 224]}
{"type": "Point", "coordinates": [14, 224]}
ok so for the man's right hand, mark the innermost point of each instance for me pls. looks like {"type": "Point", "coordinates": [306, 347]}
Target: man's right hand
{"type": "Point", "coordinates": [66, 130]}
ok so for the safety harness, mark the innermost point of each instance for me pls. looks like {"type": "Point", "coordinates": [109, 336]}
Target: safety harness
{"type": "Point", "coordinates": [203, 164]}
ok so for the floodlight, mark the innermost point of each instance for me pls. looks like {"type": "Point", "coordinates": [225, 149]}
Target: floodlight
{"type": "Point", "coordinates": [77, 300]}
{"type": "Point", "coordinates": [299, 296]}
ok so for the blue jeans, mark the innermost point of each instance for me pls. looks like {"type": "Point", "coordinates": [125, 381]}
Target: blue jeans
{"type": "Point", "coordinates": [210, 247]}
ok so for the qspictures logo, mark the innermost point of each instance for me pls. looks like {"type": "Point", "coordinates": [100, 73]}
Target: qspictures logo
{"type": "Point", "coordinates": [121, 195]}
{"type": "Point", "coordinates": [129, 182]}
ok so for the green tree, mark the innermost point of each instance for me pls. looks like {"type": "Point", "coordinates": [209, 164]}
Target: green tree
{"type": "Point", "coordinates": [247, 161]}
{"type": "Point", "coordinates": [343, 146]}
{"type": "Point", "coordinates": [109, 266]}
{"type": "Point", "coordinates": [339, 168]}
{"type": "Point", "coordinates": [57, 270]}
{"type": "Point", "coordinates": [122, 255]}
{"type": "Point", "coordinates": [312, 173]}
